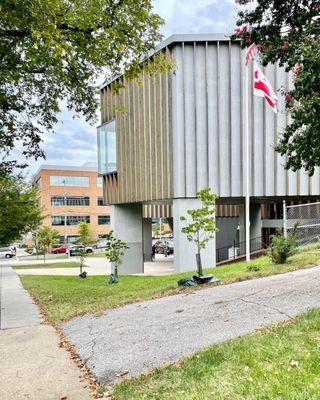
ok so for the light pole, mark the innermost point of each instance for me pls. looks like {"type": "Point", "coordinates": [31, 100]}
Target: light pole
{"type": "Point", "coordinates": [65, 212]}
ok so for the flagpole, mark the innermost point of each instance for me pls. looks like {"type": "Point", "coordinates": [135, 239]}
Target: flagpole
{"type": "Point", "coordinates": [247, 145]}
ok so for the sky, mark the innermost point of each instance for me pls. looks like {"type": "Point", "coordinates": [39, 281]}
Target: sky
{"type": "Point", "coordinates": [74, 140]}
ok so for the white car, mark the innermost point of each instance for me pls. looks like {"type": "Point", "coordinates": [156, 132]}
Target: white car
{"type": "Point", "coordinates": [75, 250]}
{"type": "Point", "coordinates": [102, 244]}
{"type": "Point", "coordinates": [7, 252]}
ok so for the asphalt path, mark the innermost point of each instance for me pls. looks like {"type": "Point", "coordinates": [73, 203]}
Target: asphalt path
{"type": "Point", "coordinates": [130, 340]}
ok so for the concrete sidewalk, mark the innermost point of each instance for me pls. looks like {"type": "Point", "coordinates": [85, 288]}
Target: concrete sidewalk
{"type": "Point", "coordinates": [130, 340]}
{"type": "Point", "coordinates": [17, 310]}
{"type": "Point", "coordinates": [32, 365]}
{"type": "Point", "coordinates": [100, 266]}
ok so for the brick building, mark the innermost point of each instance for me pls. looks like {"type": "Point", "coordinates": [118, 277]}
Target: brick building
{"type": "Point", "coordinates": [72, 194]}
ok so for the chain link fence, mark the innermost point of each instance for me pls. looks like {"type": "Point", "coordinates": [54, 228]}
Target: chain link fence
{"type": "Point", "coordinates": [305, 220]}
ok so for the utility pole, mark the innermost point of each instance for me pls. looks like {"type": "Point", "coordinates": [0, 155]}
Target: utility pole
{"type": "Point", "coordinates": [65, 211]}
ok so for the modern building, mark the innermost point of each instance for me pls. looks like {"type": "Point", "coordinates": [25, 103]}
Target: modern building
{"type": "Point", "coordinates": [71, 194]}
{"type": "Point", "coordinates": [163, 137]}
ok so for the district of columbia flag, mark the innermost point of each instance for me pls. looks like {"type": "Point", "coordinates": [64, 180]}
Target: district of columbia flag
{"type": "Point", "coordinates": [249, 55]}
{"type": "Point", "coordinates": [263, 88]}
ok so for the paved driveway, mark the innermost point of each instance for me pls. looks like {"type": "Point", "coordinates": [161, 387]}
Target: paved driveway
{"type": "Point", "coordinates": [132, 339]}
{"type": "Point", "coordinates": [96, 266]}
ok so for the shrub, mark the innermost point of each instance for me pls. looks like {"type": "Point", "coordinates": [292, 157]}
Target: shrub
{"type": "Point", "coordinates": [253, 268]}
{"type": "Point", "coordinates": [282, 247]}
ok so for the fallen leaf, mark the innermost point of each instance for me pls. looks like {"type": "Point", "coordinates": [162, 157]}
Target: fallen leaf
{"type": "Point", "coordinates": [122, 373]}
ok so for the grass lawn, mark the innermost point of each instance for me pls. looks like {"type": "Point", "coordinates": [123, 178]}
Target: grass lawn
{"type": "Point", "coordinates": [42, 266]}
{"type": "Point", "coordinates": [281, 362]}
{"type": "Point", "coordinates": [64, 297]}
{"type": "Point", "coordinates": [40, 257]}
{"type": "Point", "coordinates": [97, 255]}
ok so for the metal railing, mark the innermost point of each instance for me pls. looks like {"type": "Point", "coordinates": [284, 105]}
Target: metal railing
{"type": "Point", "coordinates": [238, 249]}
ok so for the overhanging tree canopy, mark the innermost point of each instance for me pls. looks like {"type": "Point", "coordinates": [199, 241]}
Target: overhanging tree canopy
{"type": "Point", "coordinates": [289, 32]}
{"type": "Point", "coordinates": [20, 211]}
{"type": "Point", "coordinates": [54, 50]}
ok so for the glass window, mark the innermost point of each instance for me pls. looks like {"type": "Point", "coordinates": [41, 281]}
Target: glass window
{"type": "Point", "coordinates": [100, 201]}
{"type": "Point", "coordinates": [70, 201]}
{"type": "Point", "coordinates": [57, 220]}
{"type": "Point", "coordinates": [61, 180]}
{"type": "Point", "coordinates": [70, 239]}
{"type": "Point", "coordinates": [107, 151]}
{"type": "Point", "coordinates": [99, 181]}
{"type": "Point", "coordinates": [103, 219]}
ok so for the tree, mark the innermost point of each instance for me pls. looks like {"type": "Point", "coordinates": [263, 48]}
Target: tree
{"type": "Point", "coordinates": [46, 236]}
{"type": "Point", "coordinates": [20, 211]}
{"type": "Point", "coordinates": [200, 230]}
{"type": "Point", "coordinates": [85, 239]}
{"type": "Point", "coordinates": [115, 250]}
{"type": "Point", "coordinates": [55, 50]}
{"type": "Point", "coordinates": [288, 32]}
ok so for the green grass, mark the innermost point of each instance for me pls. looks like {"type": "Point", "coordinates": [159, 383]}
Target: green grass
{"type": "Point", "coordinates": [46, 266]}
{"type": "Point", "coordinates": [97, 255]}
{"type": "Point", "coordinates": [40, 257]}
{"type": "Point", "coordinates": [281, 362]}
{"type": "Point", "coordinates": [64, 297]}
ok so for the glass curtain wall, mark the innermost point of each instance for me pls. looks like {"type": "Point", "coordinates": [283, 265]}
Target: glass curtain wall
{"type": "Point", "coordinates": [107, 151]}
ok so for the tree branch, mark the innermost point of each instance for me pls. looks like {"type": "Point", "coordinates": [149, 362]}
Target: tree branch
{"type": "Point", "coordinates": [15, 33]}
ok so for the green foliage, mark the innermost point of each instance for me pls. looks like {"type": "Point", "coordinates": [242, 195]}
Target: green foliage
{"type": "Point", "coordinates": [288, 32]}
{"type": "Point", "coordinates": [20, 212]}
{"type": "Point", "coordinates": [281, 247]}
{"type": "Point", "coordinates": [253, 268]}
{"type": "Point", "coordinates": [56, 50]}
{"type": "Point", "coordinates": [115, 250]}
{"type": "Point", "coordinates": [46, 236]}
{"type": "Point", "coordinates": [85, 233]}
{"type": "Point", "coordinates": [202, 223]}
{"type": "Point", "coordinates": [85, 238]}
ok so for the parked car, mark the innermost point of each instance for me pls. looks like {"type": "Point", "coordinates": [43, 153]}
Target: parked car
{"type": "Point", "coordinates": [76, 249]}
{"type": "Point", "coordinates": [101, 244]}
{"type": "Point", "coordinates": [7, 252]}
{"type": "Point", "coordinates": [61, 249]}
{"type": "Point", "coordinates": [161, 245]}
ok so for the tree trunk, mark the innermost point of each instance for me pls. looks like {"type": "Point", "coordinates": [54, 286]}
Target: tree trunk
{"type": "Point", "coordinates": [199, 264]}
{"type": "Point", "coordinates": [116, 270]}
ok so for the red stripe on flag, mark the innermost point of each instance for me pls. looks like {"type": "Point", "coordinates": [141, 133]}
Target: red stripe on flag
{"type": "Point", "coordinates": [263, 88]}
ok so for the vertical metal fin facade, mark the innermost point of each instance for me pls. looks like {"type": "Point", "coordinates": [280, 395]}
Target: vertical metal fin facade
{"type": "Point", "coordinates": [208, 126]}
{"type": "Point", "coordinates": [141, 110]}
{"type": "Point", "coordinates": [182, 131]}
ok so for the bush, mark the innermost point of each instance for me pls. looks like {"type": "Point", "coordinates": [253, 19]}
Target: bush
{"type": "Point", "coordinates": [281, 247]}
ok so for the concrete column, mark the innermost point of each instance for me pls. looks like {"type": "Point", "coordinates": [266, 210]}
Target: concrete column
{"type": "Point", "coordinates": [147, 238]}
{"type": "Point", "coordinates": [126, 222]}
{"type": "Point", "coordinates": [255, 222]}
{"type": "Point", "coordinates": [185, 251]}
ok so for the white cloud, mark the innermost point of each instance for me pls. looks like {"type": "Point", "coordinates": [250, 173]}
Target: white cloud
{"type": "Point", "coordinates": [202, 16]}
